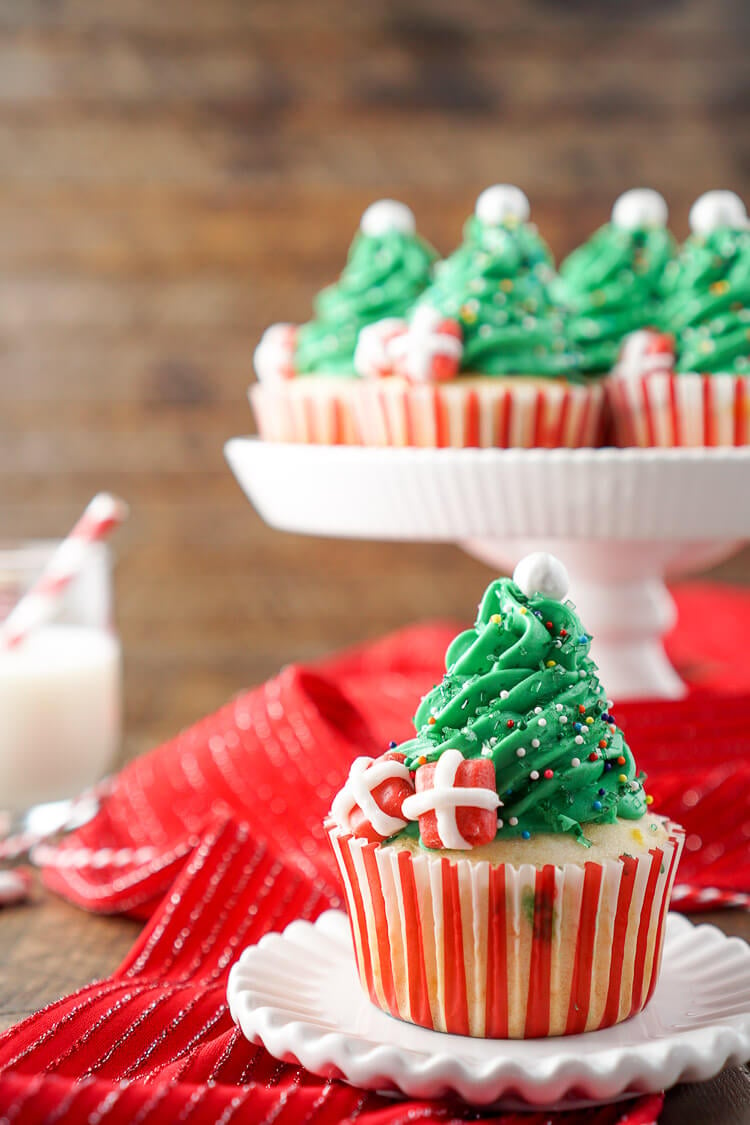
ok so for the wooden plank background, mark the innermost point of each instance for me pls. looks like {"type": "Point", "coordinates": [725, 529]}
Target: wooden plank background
{"type": "Point", "coordinates": [177, 175]}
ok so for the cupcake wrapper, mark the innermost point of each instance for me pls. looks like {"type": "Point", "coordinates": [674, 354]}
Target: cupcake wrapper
{"type": "Point", "coordinates": [324, 417]}
{"type": "Point", "coordinates": [663, 409]}
{"type": "Point", "coordinates": [506, 952]}
{"type": "Point", "coordinates": [392, 412]}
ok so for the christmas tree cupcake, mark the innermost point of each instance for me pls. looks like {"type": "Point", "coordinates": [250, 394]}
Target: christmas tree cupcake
{"type": "Point", "coordinates": [482, 359]}
{"type": "Point", "coordinates": [610, 285]}
{"type": "Point", "coordinates": [503, 873]}
{"type": "Point", "coordinates": [306, 373]}
{"type": "Point", "coordinates": [699, 393]}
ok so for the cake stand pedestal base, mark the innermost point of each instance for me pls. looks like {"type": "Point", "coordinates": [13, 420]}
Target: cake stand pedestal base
{"type": "Point", "coordinates": [621, 520]}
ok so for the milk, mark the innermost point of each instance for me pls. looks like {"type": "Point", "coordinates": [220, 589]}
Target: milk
{"type": "Point", "coordinates": [59, 713]}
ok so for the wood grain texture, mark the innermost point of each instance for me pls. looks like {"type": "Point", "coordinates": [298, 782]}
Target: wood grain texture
{"type": "Point", "coordinates": [176, 176]}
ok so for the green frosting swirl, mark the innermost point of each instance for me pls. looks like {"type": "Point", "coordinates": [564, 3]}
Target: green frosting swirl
{"type": "Point", "coordinates": [707, 302]}
{"type": "Point", "coordinates": [383, 277]}
{"type": "Point", "coordinates": [610, 286]}
{"type": "Point", "coordinates": [521, 689]}
{"type": "Point", "coordinates": [497, 286]}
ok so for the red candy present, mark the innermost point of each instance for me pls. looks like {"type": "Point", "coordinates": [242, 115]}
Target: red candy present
{"type": "Point", "coordinates": [373, 358]}
{"type": "Point", "coordinates": [427, 350]}
{"type": "Point", "coordinates": [455, 802]}
{"type": "Point", "coordinates": [274, 355]}
{"type": "Point", "coordinates": [431, 351]}
{"type": "Point", "coordinates": [644, 352]}
{"type": "Point", "coordinates": [370, 803]}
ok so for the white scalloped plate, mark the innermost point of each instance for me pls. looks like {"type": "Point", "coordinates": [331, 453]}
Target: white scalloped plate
{"type": "Point", "coordinates": [298, 994]}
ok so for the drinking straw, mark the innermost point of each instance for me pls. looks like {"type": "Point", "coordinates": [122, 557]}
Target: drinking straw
{"type": "Point", "coordinates": [103, 514]}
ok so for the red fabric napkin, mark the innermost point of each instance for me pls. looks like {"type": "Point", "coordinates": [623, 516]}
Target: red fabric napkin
{"type": "Point", "coordinates": [232, 810]}
{"type": "Point", "coordinates": [155, 1043]}
{"type": "Point", "coordinates": [276, 755]}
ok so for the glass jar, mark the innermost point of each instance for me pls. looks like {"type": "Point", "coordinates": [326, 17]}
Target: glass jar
{"type": "Point", "coordinates": [61, 688]}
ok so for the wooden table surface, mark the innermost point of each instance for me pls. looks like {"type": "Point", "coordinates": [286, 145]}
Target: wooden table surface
{"type": "Point", "coordinates": [176, 176]}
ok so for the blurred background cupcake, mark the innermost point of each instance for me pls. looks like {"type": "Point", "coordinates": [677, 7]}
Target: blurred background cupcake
{"type": "Point", "coordinates": [305, 373]}
{"type": "Point", "coordinates": [483, 358]}
{"type": "Point", "coordinates": [610, 285]}
{"type": "Point", "coordinates": [692, 386]}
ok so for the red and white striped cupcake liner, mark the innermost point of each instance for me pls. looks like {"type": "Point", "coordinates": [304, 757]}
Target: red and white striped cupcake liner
{"type": "Point", "coordinates": [478, 413]}
{"type": "Point", "coordinates": [665, 409]}
{"type": "Point", "coordinates": [291, 412]}
{"type": "Point", "coordinates": [506, 952]}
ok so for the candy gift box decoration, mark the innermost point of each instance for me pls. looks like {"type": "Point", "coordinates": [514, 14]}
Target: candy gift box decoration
{"type": "Point", "coordinates": [520, 888]}
{"type": "Point", "coordinates": [455, 802]}
{"type": "Point", "coordinates": [370, 804]}
{"type": "Point", "coordinates": [427, 349]}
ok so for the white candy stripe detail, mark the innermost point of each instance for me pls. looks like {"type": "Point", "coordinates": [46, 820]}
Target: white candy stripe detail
{"type": "Point", "coordinates": [444, 799]}
{"type": "Point", "coordinates": [373, 356]}
{"type": "Point", "coordinates": [424, 340]}
{"type": "Point", "coordinates": [636, 358]}
{"type": "Point", "coordinates": [365, 775]}
{"type": "Point", "coordinates": [421, 803]}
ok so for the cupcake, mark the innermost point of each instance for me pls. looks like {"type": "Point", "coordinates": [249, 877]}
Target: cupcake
{"type": "Point", "coordinates": [482, 358]}
{"type": "Point", "coordinates": [698, 393]}
{"type": "Point", "coordinates": [610, 284]}
{"type": "Point", "coordinates": [503, 874]}
{"type": "Point", "coordinates": [306, 373]}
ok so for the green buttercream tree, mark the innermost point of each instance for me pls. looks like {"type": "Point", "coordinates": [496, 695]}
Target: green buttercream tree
{"type": "Point", "coordinates": [706, 290]}
{"type": "Point", "coordinates": [521, 689]}
{"type": "Point", "coordinates": [497, 286]}
{"type": "Point", "coordinates": [388, 266]}
{"type": "Point", "coordinates": [610, 284]}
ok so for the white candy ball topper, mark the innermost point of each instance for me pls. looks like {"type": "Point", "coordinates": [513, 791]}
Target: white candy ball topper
{"type": "Point", "coordinates": [500, 202]}
{"type": "Point", "coordinates": [541, 573]}
{"type": "Point", "coordinates": [717, 209]}
{"type": "Point", "coordinates": [639, 208]}
{"type": "Point", "coordinates": [387, 215]}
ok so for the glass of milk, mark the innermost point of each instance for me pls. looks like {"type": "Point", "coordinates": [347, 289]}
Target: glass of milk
{"type": "Point", "coordinates": [61, 688]}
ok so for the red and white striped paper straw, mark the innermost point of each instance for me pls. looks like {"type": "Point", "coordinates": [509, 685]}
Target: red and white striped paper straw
{"type": "Point", "coordinates": [38, 605]}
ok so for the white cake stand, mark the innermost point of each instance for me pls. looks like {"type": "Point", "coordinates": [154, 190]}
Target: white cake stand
{"type": "Point", "coordinates": [620, 520]}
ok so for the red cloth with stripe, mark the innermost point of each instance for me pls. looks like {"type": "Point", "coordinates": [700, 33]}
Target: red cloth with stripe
{"type": "Point", "coordinates": [276, 755]}
{"type": "Point", "coordinates": [155, 1043]}
{"type": "Point", "coordinates": [232, 809]}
